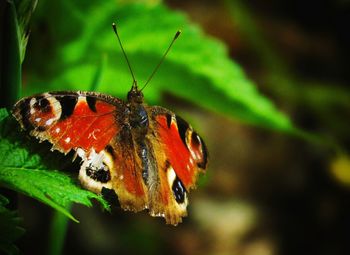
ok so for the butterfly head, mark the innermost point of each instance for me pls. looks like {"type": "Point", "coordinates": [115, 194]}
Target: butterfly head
{"type": "Point", "coordinates": [135, 95]}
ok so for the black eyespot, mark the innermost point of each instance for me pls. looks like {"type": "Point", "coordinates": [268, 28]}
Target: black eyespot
{"type": "Point", "coordinates": [67, 104]}
{"type": "Point", "coordinates": [101, 175]}
{"type": "Point", "coordinates": [179, 190]}
{"type": "Point", "coordinates": [182, 126]}
{"type": "Point", "coordinates": [91, 101]}
{"type": "Point", "coordinates": [42, 104]}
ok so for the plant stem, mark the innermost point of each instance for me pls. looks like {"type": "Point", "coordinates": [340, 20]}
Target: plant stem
{"type": "Point", "coordinates": [10, 69]}
{"type": "Point", "coordinates": [10, 56]}
{"type": "Point", "coordinates": [58, 230]}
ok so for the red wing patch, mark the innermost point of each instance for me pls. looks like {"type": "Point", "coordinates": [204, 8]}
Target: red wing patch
{"type": "Point", "coordinates": [85, 129]}
{"type": "Point", "coordinates": [180, 154]}
{"type": "Point", "coordinates": [185, 150]}
{"type": "Point", "coordinates": [68, 120]}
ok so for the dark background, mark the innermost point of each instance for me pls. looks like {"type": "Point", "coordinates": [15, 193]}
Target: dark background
{"type": "Point", "coordinates": [265, 192]}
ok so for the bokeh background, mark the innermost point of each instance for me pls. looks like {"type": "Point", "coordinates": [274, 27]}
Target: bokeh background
{"type": "Point", "coordinates": [268, 190]}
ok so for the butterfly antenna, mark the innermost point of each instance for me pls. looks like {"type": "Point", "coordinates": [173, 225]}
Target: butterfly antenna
{"type": "Point", "coordinates": [162, 59]}
{"type": "Point", "coordinates": [126, 58]}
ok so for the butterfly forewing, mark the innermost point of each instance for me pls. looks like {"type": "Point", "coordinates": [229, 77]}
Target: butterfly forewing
{"type": "Point", "coordinates": [70, 120]}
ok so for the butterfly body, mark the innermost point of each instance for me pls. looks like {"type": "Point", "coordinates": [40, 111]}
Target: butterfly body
{"type": "Point", "coordinates": [146, 154]}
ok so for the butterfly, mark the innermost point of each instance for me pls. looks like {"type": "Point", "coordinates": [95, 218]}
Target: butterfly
{"type": "Point", "coordinates": [149, 156]}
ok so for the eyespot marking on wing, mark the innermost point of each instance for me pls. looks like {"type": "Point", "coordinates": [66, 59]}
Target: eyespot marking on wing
{"type": "Point", "coordinates": [95, 172]}
{"type": "Point", "coordinates": [101, 175]}
{"type": "Point", "coordinates": [42, 104]}
{"type": "Point", "coordinates": [177, 187]}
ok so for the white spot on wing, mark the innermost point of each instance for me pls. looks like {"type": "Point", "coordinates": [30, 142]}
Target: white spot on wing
{"type": "Point", "coordinates": [173, 119]}
{"type": "Point", "coordinates": [49, 121]}
{"type": "Point", "coordinates": [67, 140]}
{"type": "Point", "coordinates": [81, 99]}
{"type": "Point", "coordinates": [81, 153]}
{"type": "Point", "coordinates": [37, 119]}
{"type": "Point", "coordinates": [93, 133]}
{"type": "Point", "coordinates": [57, 130]}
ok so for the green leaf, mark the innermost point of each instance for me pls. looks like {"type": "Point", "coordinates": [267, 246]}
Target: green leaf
{"type": "Point", "coordinates": [197, 69]}
{"type": "Point", "coordinates": [10, 228]}
{"type": "Point", "coordinates": [23, 170]}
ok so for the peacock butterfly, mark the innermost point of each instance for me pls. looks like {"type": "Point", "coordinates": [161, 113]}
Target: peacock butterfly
{"type": "Point", "coordinates": [147, 155]}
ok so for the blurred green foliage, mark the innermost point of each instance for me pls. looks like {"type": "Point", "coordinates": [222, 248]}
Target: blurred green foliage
{"type": "Point", "coordinates": [197, 69]}
{"type": "Point", "coordinates": [10, 229]}
{"type": "Point", "coordinates": [328, 102]}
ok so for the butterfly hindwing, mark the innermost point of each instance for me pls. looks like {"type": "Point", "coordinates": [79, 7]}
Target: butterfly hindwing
{"type": "Point", "coordinates": [180, 156]}
{"type": "Point", "coordinates": [117, 168]}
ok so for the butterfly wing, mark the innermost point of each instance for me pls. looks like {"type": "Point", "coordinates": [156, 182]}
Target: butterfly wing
{"type": "Point", "coordinates": [70, 120]}
{"type": "Point", "coordinates": [95, 126]}
{"type": "Point", "coordinates": [155, 171]}
{"type": "Point", "coordinates": [179, 155]}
